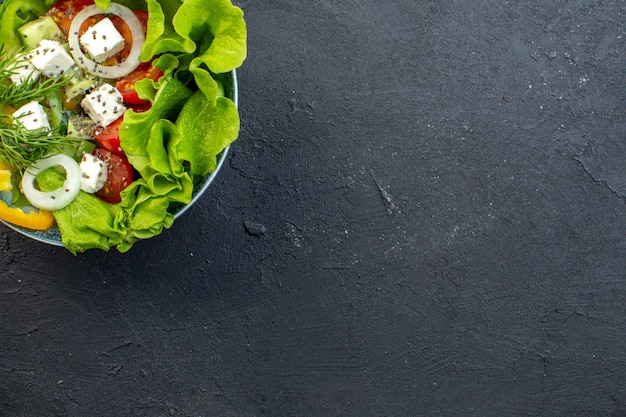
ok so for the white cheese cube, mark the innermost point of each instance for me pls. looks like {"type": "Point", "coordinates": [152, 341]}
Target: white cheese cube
{"type": "Point", "coordinates": [102, 40]}
{"type": "Point", "coordinates": [94, 173]}
{"type": "Point", "coordinates": [32, 116]}
{"type": "Point", "coordinates": [23, 70]}
{"type": "Point", "coordinates": [51, 58]}
{"type": "Point", "coordinates": [104, 105]}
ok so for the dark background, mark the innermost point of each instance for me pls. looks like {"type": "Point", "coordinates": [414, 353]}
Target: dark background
{"type": "Point", "coordinates": [423, 216]}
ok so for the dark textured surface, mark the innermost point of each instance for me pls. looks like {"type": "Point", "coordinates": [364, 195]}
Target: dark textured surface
{"type": "Point", "coordinates": [423, 217]}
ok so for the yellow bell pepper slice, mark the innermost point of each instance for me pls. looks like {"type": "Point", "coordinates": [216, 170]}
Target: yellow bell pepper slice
{"type": "Point", "coordinates": [40, 220]}
{"type": "Point", "coordinates": [5, 180]}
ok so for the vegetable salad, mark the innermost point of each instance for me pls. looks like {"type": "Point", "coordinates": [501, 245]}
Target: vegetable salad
{"type": "Point", "coordinates": [112, 112]}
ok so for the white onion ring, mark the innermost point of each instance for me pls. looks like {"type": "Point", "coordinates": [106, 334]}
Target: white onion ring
{"type": "Point", "coordinates": [108, 71]}
{"type": "Point", "coordinates": [62, 196]}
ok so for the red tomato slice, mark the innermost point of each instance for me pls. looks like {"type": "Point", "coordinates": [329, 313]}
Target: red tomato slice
{"type": "Point", "coordinates": [64, 11]}
{"type": "Point", "coordinates": [140, 108]}
{"type": "Point", "coordinates": [109, 137]}
{"type": "Point", "coordinates": [126, 85]}
{"type": "Point", "coordinates": [119, 176]}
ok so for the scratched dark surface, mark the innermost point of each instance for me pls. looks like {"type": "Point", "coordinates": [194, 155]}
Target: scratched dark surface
{"type": "Point", "coordinates": [423, 216]}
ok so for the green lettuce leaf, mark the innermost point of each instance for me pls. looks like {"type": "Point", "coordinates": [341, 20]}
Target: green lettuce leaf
{"type": "Point", "coordinates": [87, 222]}
{"type": "Point", "coordinates": [161, 36]}
{"type": "Point", "coordinates": [218, 30]}
{"type": "Point", "coordinates": [209, 126]}
{"type": "Point", "coordinates": [143, 214]}
{"type": "Point", "coordinates": [103, 4]}
{"type": "Point", "coordinates": [14, 14]}
{"type": "Point", "coordinates": [135, 132]}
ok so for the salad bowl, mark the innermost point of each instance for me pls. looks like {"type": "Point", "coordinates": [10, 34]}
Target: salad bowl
{"type": "Point", "coordinates": [52, 236]}
{"type": "Point", "coordinates": [175, 141]}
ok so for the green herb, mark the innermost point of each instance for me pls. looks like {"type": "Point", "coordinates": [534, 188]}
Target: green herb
{"type": "Point", "coordinates": [20, 147]}
{"type": "Point", "coordinates": [15, 95]}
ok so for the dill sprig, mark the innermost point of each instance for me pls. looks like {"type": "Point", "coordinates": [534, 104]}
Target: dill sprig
{"type": "Point", "coordinates": [15, 95]}
{"type": "Point", "coordinates": [21, 147]}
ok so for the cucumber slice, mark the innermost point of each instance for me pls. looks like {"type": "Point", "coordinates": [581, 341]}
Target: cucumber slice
{"type": "Point", "coordinates": [80, 83]}
{"type": "Point", "coordinates": [37, 30]}
{"type": "Point", "coordinates": [54, 101]}
{"type": "Point", "coordinates": [76, 150]}
{"type": "Point", "coordinates": [80, 127]}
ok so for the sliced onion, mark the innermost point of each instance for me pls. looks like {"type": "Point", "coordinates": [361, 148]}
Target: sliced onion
{"type": "Point", "coordinates": [62, 196]}
{"type": "Point", "coordinates": [108, 71]}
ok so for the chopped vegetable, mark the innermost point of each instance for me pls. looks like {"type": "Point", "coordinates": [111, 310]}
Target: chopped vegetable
{"type": "Point", "coordinates": [60, 197]}
{"type": "Point", "coordinates": [5, 180]}
{"type": "Point", "coordinates": [119, 175]}
{"type": "Point", "coordinates": [109, 137]}
{"type": "Point", "coordinates": [36, 220]}
{"type": "Point", "coordinates": [126, 85]}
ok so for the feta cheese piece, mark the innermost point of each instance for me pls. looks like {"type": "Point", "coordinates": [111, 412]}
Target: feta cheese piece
{"type": "Point", "coordinates": [32, 116]}
{"type": "Point", "coordinates": [104, 105]}
{"type": "Point", "coordinates": [23, 70]}
{"type": "Point", "coordinates": [51, 58]}
{"type": "Point", "coordinates": [102, 40]}
{"type": "Point", "coordinates": [94, 173]}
